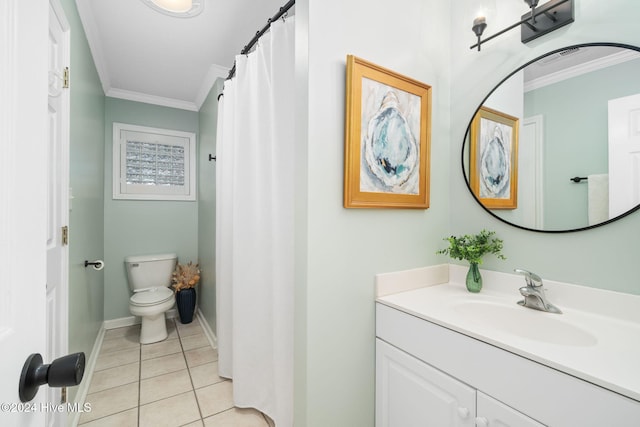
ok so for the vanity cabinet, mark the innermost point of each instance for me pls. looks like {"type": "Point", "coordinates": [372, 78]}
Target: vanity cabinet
{"type": "Point", "coordinates": [429, 375]}
{"type": "Point", "coordinates": [412, 393]}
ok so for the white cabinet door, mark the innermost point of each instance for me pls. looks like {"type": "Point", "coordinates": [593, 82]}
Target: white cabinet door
{"type": "Point", "coordinates": [410, 393]}
{"type": "Point", "coordinates": [492, 413]}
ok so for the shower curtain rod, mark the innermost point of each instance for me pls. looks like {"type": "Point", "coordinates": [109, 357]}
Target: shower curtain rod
{"type": "Point", "coordinates": [283, 10]}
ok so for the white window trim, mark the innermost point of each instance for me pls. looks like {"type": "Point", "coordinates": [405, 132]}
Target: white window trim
{"type": "Point", "coordinates": [123, 191]}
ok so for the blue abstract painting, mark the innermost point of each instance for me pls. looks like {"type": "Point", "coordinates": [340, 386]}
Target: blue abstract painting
{"type": "Point", "coordinates": [390, 139]}
{"type": "Point", "coordinates": [495, 160]}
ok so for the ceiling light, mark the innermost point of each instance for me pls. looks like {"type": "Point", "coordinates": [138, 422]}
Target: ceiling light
{"type": "Point", "coordinates": [177, 8]}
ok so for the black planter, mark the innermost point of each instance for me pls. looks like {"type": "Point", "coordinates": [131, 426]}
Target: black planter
{"type": "Point", "coordinates": [186, 302]}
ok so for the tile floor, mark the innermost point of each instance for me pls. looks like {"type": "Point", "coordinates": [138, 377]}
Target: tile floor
{"type": "Point", "coordinates": [171, 383]}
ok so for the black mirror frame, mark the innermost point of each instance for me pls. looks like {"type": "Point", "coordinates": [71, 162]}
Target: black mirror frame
{"type": "Point", "coordinates": [467, 136]}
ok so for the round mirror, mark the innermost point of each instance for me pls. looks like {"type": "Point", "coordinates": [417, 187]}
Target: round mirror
{"type": "Point", "coordinates": [555, 147]}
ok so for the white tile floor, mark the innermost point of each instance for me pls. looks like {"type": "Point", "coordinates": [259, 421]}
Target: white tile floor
{"type": "Point", "coordinates": [172, 383]}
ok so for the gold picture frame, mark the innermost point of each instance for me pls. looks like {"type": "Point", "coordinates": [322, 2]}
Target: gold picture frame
{"type": "Point", "coordinates": [387, 138]}
{"type": "Point", "coordinates": [493, 162]}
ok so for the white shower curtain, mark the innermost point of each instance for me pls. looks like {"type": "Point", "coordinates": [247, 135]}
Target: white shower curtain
{"type": "Point", "coordinates": [254, 227]}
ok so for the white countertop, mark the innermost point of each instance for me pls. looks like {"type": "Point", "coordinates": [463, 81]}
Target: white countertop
{"type": "Point", "coordinates": [596, 338]}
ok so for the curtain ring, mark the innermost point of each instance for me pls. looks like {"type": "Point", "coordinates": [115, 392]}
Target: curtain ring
{"type": "Point", "coordinates": [285, 15]}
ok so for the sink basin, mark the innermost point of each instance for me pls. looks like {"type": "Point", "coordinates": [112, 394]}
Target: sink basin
{"type": "Point", "coordinates": [525, 323]}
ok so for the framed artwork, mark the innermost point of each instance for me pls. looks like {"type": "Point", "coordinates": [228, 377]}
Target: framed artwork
{"type": "Point", "coordinates": [494, 159]}
{"type": "Point", "coordinates": [387, 138]}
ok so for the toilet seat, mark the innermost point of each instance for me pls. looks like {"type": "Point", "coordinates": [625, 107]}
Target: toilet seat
{"type": "Point", "coordinates": [151, 297]}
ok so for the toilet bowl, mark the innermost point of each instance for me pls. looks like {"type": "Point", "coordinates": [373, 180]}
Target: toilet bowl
{"type": "Point", "coordinates": [149, 278]}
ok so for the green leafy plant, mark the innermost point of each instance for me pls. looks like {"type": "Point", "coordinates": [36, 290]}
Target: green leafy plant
{"type": "Point", "coordinates": [473, 247]}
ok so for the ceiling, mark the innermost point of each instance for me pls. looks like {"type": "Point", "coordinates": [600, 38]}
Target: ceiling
{"type": "Point", "coordinates": [143, 55]}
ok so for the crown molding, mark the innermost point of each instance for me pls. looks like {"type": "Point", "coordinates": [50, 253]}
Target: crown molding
{"type": "Point", "coordinates": [93, 39]}
{"type": "Point", "coordinates": [151, 99]}
{"type": "Point", "coordinates": [577, 70]}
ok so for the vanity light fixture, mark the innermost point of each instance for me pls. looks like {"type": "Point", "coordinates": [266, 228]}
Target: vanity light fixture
{"type": "Point", "coordinates": [479, 24]}
{"type": "Point", "coordinates": [177, 8]}
{"type": "Point", "coordinates": [553, 15]}
{"type": "Point", "coordinates": [532, 5]}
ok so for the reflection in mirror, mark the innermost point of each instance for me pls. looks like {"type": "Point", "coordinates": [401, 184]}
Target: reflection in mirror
{"type": "Point", "coordinates": [573, 113]}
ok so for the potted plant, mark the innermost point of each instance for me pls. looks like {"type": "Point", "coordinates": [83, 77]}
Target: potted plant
{"type": "Point", "coordinates": [184, 280]}
{"type": "Point", "coordinates": [472, 248]}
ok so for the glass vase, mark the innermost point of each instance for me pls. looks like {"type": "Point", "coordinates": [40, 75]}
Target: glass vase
{"type": "Point", "coordinates": [474, 279]}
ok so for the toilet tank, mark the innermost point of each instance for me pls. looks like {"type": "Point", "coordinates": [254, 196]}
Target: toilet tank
{"type": "Point", "coordinates": [149, 271]}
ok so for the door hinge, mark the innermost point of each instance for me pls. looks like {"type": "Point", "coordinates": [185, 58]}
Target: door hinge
{"type": "Point", "coordinates": [63, 395]}
{"type": "Point", "coordinates": [65, 235]}
{"type": "Point", "coordinates": [65, 78]}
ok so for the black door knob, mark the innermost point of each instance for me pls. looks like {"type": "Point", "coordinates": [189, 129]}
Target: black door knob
{"type": "Point", "coordinates": [64, 371]}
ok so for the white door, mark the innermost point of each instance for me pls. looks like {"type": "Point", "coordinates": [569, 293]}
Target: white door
{"type": "Point", "coordinates": [530, 172]}
{"type": "Point", "coordinates": [57, 200]}
{"type": "Point", "coordinates": [624, 154]}
{"type": "Point", "coordinates": [410, 393]}
{"type": "Point", "coordinates": [23, 197]}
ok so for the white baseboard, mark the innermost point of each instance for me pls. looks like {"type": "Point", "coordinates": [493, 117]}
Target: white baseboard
{"type": "Point", "coordinates": [90, 365]}
{"type": "Point", "coordinates": [133, 320]}
{"type": "Point", "coordinates": [207, 329]}
{"type": "Point", "coordinates": [121, 322]}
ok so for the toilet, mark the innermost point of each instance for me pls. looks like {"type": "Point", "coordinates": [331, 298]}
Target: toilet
{"type": "Point", "coordinates": [149, 278]}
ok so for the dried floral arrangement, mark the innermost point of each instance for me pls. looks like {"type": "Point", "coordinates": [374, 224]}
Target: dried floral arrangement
{"type": "Point", "coordinates": [185, 276]}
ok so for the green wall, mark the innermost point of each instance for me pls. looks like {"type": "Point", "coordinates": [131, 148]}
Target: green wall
{"type": "Point", "coordinates": [575, 136]}
{"type": "Point", "coordinates": [338, 250]}
{"type": "Point", "coordinates": [604, 257]}
{"type": "Point", "coordinates": [208, 118]}
{"type": "Point", "coordinates": [141, 227]}
{"type": "Point", "coordinates": [86, 297]}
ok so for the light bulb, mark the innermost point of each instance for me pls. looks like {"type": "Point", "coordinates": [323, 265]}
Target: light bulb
{"type": "Point", "coordinates": [176, 6]}
{"type": "Point", "coordinates": [487, 8]}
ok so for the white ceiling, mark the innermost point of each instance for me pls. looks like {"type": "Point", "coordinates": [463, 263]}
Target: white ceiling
{"type": "Point", "coordinates": [143, 55]}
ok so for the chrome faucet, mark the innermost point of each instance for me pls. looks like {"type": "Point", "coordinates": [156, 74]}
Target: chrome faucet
{"type": "Point", "coordinates": [533, 293]}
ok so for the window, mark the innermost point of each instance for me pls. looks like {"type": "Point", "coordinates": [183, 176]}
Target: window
{"type": "Point", "coordinates": [153, 164]}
